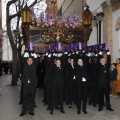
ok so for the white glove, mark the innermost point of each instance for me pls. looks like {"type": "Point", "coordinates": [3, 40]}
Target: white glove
{"type": "Point", "coordinates": [38, 55]}
{"type": "Point", "coordinates": [73, 53]}
{"type": "Point", "coordinates": [46, 54]}
{"type": "Point", "coordinates": [65, 53]}
{"type": "Point", "coordinates": [100, 53]}
{"type": "Point", "coordinates": [89, 54]}
{"type": "Point", "coordinates": [26, 55]}
{"type": "Point", "coordinates": [32, 54]}
{"type": "Point", "coordinates": [83, 79]}
{"type": "Point", "coordinates": [59, 55]}
{"type": "Point", "coordinates": [108, 53]}
{"type": "Point", "coordinates": [35, 55]}
{"type": "Point", "coordinates": [74, 77]}
{"type": "Point", "coordinates": [53, 54]}
{"type": "Point", "coordinates": [49, 55]}
{"type": "Point", "coordinates": [56, 54]}
{"type": "Point", "coordinates": [83, 51]}
{"type": "Point", "coordinates": [96, 55]}
{"type": "Point", "coordinates": [69, 55]}
{"type": "Point", "coordinates": [77, 52]}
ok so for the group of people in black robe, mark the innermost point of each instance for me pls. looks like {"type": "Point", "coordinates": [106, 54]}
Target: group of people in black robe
{"type": "Point", "coordinates": [5, 67]}
{"type": "Point", "coordinates": [79, 76]}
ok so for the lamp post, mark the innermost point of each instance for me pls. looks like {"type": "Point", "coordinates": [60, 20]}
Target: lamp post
{"type": "Point", "coordinates": [87, 22]}
{"type": "Point", "coordinates": [100, 17]}
{"type": "Point", "coordinates": [26, 22]}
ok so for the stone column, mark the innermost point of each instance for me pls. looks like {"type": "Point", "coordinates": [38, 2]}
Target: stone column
{"type": "Point", "coordinates": [107, 26]}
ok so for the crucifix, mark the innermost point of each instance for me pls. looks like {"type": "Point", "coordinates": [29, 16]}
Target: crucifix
{"type": "Point", "coordinates": [58, 33]}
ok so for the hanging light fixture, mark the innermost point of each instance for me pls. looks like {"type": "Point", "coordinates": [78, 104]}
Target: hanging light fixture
{"type": "Point", "coordinates": [26, 15]}
{"type": "Point", "coordinates": [87, 17]}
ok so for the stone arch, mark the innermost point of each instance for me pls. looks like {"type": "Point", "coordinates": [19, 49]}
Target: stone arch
{"type": "Point", "coordinates": [117, 26]}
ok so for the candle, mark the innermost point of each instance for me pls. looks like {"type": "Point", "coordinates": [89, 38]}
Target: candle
{"type": "Point", "coordinates": [59, 45]}
{"type": "Point", "coordinates": [106, 46]}
{"type": "Point", "coordinates": [31, 46]}
{"type": "Point", "coordinates": [80, 46]}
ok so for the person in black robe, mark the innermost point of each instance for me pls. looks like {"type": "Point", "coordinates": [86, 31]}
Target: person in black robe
{"type": "Point", "coordinates": [29, 81]}
{"type": "Point", "coordinates": [93, 98]}
{"type": "Point", "coordinates": [1, 66]}
{"type": "Point", "coordinates": [48, 80]}
{"type": "Point", "coordinates": [57, 85]}
{"type": "Point", "coordinates": [81, 85]}
{"type": "Point", "coordinates": [6, 67]}
{"type": "Point", "coordinates": [104, 81]}
{"type": "Point", "coordinates": [71, 82]}
{"type": "Point", "coordinates": [40, 74]}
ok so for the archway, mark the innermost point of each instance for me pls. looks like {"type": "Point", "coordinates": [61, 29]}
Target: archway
{"type": "Point", "coordinates": [117, 26]}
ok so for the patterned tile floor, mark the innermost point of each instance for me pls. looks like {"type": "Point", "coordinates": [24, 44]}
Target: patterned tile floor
{"type": "Point", "coordinates": [10, 110]}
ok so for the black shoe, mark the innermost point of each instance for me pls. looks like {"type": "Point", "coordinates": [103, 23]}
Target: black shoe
{"type": "Point", "coordinates": [103, 104]}
{"type": "Point", "coordinates": [62, 111]}
{"type": "Point", "coordinates": [22, 114]}
{"type": "Point", "coordinates": [51, 112]}
{"type": "Point", "coordinates": [35, 105]}
{"type": "Point", "coordinates": [66, 103]}
{"type": "Point", "coordinates": [48, 108]}
{"type": "Point", "coordinates": [110, 109]}
{"type": "Point", "coordinates": [100, 109]}
{"type": "Point", "coordinates": [70, 106]}
{"type": "Point", "coordinates": [57, 108]}
{"type": "Point", "coordinates": [94, 105]}
{"type": "Point", "coordinates": [20, 103]}
{"type": "Point", "coordinates": [78, 112]}
{"type": "Point", "coordinates": [45, 103]}
{"type": "Point", "coordinates": [31, 113]}
{"type": "Point", "coordinates": [90, 103]}
{"type": "Point", "coordinates": [85, 112]}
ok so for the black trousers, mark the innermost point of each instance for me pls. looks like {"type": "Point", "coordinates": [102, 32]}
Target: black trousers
{"type": "Point", "coordinates": [0, 71]}
{"type": "Point", "coordinates": [21, 94]}
{"type": "Point", "coordinates": [82, 89]}
{"type": "Point", "coordinates": [66, 91]}
{"type": "Point", "coordinates": [48, 93]}
{"type": "Point", "coordinates": [93, 91]}
{"type": "Point", "coordinates": [71, 91]}
{"type": "Point", "coordinates": [104, 89]}
{"type": "Point", "coordinates": [6, 70]}
{"type": "Point", "coordinates": [56, 90]}
{"type": "Point", "coordinates": [28, 97]}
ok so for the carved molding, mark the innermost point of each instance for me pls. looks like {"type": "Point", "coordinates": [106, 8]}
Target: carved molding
{"type": "Point", "coordinates": [114, 1]}
{"type": "Point", "coordinates": [115, 4]}
{"type": "Point", "coordinates": [104, 4]}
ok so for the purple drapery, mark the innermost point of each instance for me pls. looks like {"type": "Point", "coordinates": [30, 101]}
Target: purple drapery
{"type": "Point", "coordinates": [97, 46]}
